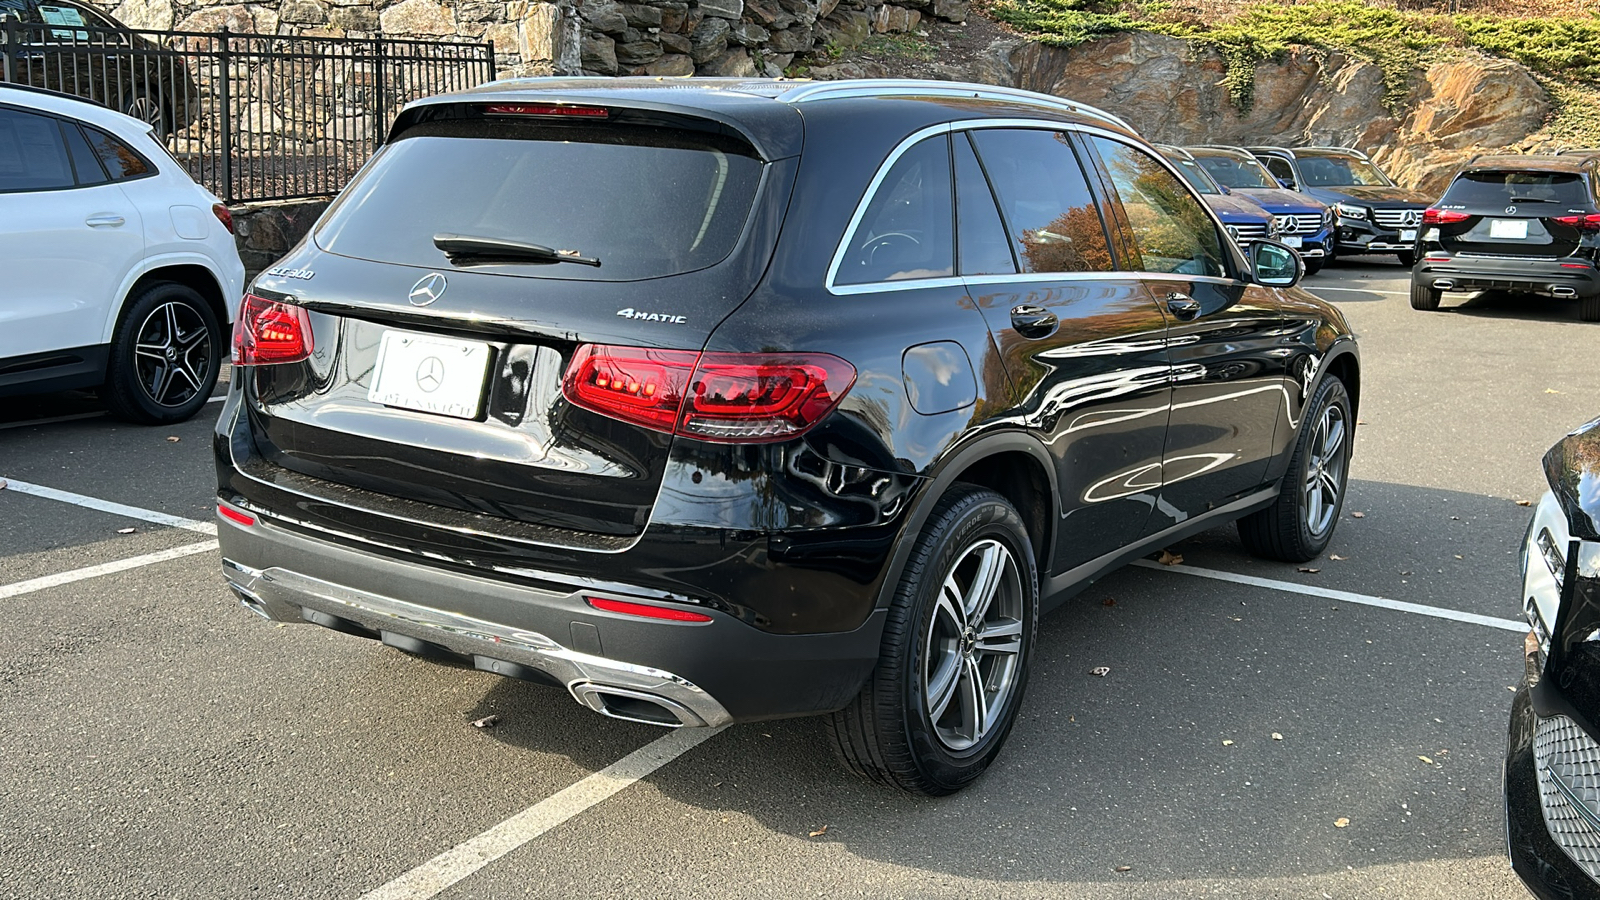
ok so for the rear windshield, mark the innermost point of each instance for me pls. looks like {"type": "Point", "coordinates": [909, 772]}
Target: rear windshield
{"type": "Point", "coordinates": [647, 206]}
{"type": "Point", "coordinates": [1508, 188]}
{"type": "Point", "coordinates": [1236, 171]}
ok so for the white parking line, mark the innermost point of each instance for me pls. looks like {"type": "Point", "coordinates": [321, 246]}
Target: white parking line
{"type": "Point", "coordinates": [18, 588]}
{"type": "Point", "coordinates": [1437, 612]}
{"type": "Point", "coordinates": [471, 855]}
{"type": "Point", "coordinates": [1324, 287]}
{"type": "Point", "coordinates": [106, 506]}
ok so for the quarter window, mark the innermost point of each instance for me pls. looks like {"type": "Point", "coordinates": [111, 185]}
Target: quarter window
{"type": "Point", "coordinates": [1171, 229]}
{"type": "Point", "coordinates": [120, 159]}
{"type": "Point", "coordinates": [907, 231]}
{"type": "Point", "coordinates": [1050, 212]}
{"type": "Point", "coordinates": [32, 154]}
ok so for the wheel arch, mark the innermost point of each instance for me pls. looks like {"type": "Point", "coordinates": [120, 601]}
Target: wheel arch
{"type": "Point", "coordinates": [1343, 363]}
{"type": "Point", "coordinates": [192, 274]}
{"type": "Point", "coordinates": [1014, 465]}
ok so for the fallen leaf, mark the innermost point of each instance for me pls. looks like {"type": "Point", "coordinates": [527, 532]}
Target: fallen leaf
{"type": "Point", "coordinates": [1358, 515]}
{"type": "Point", "coordinates": [1405, 573]}
{"type": "Point", "coordinates": [1524, 502]}
{"type": "Point", "coordinates": [1124, 868]}
{"type": "Point", "coordinates": [1341, 822]}
{"type": "Point", "coordinates": [1101, 671]}
{"type": "Point", "coordinates": [1168, 558]}
{"type": "Point", "coordinates": [1309, 571]}
{"type": "Point", "coordinates": [2, 484]}
{"type": "Point", "coordinates": [124, 531]}
{"type": "Point", "coordinates": [487, 722]}
{"type": "Point", "coordinates": [1425, 759]}
{"type": "Point", "coordinates": [1459, 556]}
{"type": "Point", "coordinates": [1108, 602]}
{"type": "Point", "coordinates": [1227, 743]}
{"type": "Point", "coordinates": [819, 832]}
{"type": "Point", "coordinates": [173, 439]}
{"type": "Point", "coordinates": [1338, 557]}
{"type": "Point", "coordinates": [1276, 736]}
{"type": "Point", "coordinates": [1551, 391]}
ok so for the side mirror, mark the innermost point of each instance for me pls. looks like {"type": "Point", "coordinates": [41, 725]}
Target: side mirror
{"type": "Point", "coordinates": [1224, 188]}
{"type": "Point", "coordinates": [1286, 183]}
{"type": "Point", "coordinates": [1275, 265]}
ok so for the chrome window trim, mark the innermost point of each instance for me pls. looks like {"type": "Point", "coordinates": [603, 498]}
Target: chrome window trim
{"type": "Point", "coordinates": [1022, 277]}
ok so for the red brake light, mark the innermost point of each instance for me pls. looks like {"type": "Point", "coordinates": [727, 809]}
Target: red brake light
{"type": "Point", "coordinates": [1443, 216]}
{"type": "Point", "coordinates": [233, 515]}
{"type": "Point", "coordinates": [1582, 223]}
{"type": "Point", "coordinates": [547, 109]}
{"type": "Point", "coordinates": [268, 332]}
{"type": "Point", "coordinates": [223, 216]}
{"type": "Point", "coordinates": [646, 610]}
{"type": "Point", "coordinates": [723, 397]}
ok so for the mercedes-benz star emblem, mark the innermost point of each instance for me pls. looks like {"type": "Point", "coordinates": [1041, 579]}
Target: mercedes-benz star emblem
{"type": "Point", "coordinates": [427, 290]}
{"type": "Point", "coordinates": [1511, 210]}
{"type": "Point", "coordinates": [1413, 217]}
{"type": "Point", "coordinates": [430, 374]}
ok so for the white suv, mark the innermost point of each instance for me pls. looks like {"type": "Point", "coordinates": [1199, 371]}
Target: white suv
{"type": "Point", "coordinates": [120, 272]}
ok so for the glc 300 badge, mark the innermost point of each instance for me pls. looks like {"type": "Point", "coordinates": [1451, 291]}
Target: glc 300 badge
{"type": "Point", "coordinates": [642, 316]}
{"type": "Point", "coordinates": [428, 288]}
{"type": "Point", "coordinates": [286, 272]}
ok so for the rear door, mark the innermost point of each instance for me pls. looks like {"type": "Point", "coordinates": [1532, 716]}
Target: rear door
{"type": "Point", "coordinates": [1085, 346]}
{"type": "Point", "coordinates": [68, 236]}
{"type": "Point", "coordinates": [1224, 339]}
{"type": "Point", "coordinates": [1514, 213]}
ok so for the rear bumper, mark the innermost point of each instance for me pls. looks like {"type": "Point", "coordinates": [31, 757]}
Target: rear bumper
{"type": "Point", "coordinates": [1488, 274]}
{"type": "Point", "coordinates": [664, 673]}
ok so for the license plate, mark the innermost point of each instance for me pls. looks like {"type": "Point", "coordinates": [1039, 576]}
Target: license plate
{"type": "Point", "coordinates": [1510, 229]}
{"type": "Point", "coordinates": [1408, 234]}
{"type": "Point", "coordinates": [430, 374]}
{"type": "Point", "coordinates": [1291, 241]}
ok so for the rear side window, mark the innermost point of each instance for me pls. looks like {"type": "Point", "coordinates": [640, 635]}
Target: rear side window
{"type": "Point", "coordinates": [1172, 230]}
{"type": "Point", "coordinates": [905, 232]}
{"type": "Point", "coordinates": [1501, 189]}
{"type": "Point", "coordinates": [120, 160]}
{"type": "Point", "coordinates": [84, 160]}
{"type": "Point", "coordinates": [1049, 209]}
{"type": "Point", "coordinates": [984, 247]}
{"type": "Point", "coordinates": [33, 156]}
{"type": "Point", "coordinates": [1280, 169]}
{"type": "Point", "coordinates": [645, 204]}
{"type": "Point", "coordinates": [1236, 171]}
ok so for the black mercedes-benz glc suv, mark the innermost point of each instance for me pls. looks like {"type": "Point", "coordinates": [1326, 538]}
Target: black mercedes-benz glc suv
{"type": "Point", "coordinates": [1515, 223]}
{"type": "Point", "coordinates": [719, 400]}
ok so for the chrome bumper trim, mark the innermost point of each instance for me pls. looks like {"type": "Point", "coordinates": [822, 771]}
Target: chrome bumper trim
{"type": "Point", "coordinates": [285, 596]}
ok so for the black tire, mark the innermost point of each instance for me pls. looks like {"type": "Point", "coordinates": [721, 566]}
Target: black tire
{"type": "Point", "coordinates": [891, 733]}
{"type": "Point", "coordinates": [1313, 264]}
{"type": "Point", "coordinates": [1589, 311]}
{"type": "Point", "coordinates": [1424, 297]}
{"type": "Point", "coordinates": [165, 356]}
{"type": "Point", "coordinates": [1408, 258]}
{"type": "Point", "coordinates": [1297, 526]}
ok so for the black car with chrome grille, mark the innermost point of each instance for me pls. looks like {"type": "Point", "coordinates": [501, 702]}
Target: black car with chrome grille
{"type": "Point", "coordinates": [1375, 215]}
{"type": "Point", "coordinates": [1552, 767]}
{"type": "Point", "coordinates": [719, 400]}
{"type": "Point", "coordinates": [1528, 224]}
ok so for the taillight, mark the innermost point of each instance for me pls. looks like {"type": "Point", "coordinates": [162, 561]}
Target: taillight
{"type": "Point", "coordinates": [1590, 222]}
{"type": "Point", "coordinates": [223, 216]}
{"type": "Point", "coordinates": [268, 332]}
{"type": "Point", "coordinates": [1443, 216]}
{"type": "Point", "coordinates": [724, 397]}
{"type": "Point", "coordinates": [647, 610]}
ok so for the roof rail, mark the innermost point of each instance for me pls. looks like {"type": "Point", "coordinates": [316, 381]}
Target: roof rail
{"type": "Point", "coordinates": [1579, 151]}
{"type": "Point", "coordinates": [907, 87]}
{"type": "Point", "coordinates": [51, 93]}
{"type": "Point", "coordinates": [1350, 150]}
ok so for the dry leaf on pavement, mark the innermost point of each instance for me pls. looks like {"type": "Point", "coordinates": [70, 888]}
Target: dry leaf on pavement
{"type": "Point", "coordinates": [819, 832]}
{"type": "Point", "coordinates": [1309, 571]}
{"type": "Point", "coordinates": [487, 722]}
{"type": "Point", "coordinates": [1227, 743]}
{"type": "Point", "coordinates": [1524, 502]}
{"type": "Point", "coordinates": [1168, 558]}
{"type": "Point", "coordinates": [1124, 868]}
{"type": "Point", "coordinates": [1108, 602]}
{"type": "Point", "coordinates": [1341, 822]}
{"type": "Point", "coordinates": [1358, 515]}
{"type": "Point", "coordinates": [1425, 759]}
{"type": "Point", "coordinates": [1338, 557]}
{"type": "Point", "coordinates": [124, 531]}
{"type": "Point", "coordinates": [173, 439]}
{"type": "Point", "coordinates": [1276, 736]}
{"type": "Point", "coordinates": [1101, 671]}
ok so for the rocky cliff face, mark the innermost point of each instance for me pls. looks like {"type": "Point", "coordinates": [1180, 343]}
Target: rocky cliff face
{"type": "Point", "coordinates": [1172, 91]}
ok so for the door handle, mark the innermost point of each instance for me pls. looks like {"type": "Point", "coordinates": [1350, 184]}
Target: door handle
{"type": "Point", "coordinates": [1033, 321]}
{"type": "Point", "coordinates": [1182, 306]}
{"type": "Point", "coordinates": [104, 221]}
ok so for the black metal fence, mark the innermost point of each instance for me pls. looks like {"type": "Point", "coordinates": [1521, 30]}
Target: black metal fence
{"type": "Point", "coordinates": [252, 116]}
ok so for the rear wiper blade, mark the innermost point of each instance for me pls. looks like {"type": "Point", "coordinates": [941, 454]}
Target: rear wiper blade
{"type": "Point", "coordinates": [466, 249]}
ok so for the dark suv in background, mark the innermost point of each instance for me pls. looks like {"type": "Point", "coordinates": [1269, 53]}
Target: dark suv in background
{"type": "Point", "coordinates": [1302, 221]}
{"type": "Point", "coordinates": [1527, 224]}
{"type": "Point", "coordinates": [1375, 215]}
{"type": "Point", "coordinates": [811, 404]}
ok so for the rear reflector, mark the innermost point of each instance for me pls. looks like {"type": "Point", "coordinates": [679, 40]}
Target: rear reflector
{"type": "Point", "coordinates": [223, 216]}
{"type": "Point", "coordinates": [1590, 222]}
{"type": "Point", "coordinates": [1443, 216]}
{"type": "Point", "coordinates": [647, 611]}
{"type": "Point", "coordinates": [546, 109]}
{"type": "Point", "coordinates": [233, 515]}
{"type": "Point", "coordinates": [1576, 266]}
{"type": "Point", "coordinates": [268, 332]}
{"type": "Point", "coordinates": [721, 397]}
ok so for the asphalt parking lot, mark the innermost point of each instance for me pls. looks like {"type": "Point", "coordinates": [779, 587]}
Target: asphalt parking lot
{"type": "Point", "coordinates": [1265, 730]}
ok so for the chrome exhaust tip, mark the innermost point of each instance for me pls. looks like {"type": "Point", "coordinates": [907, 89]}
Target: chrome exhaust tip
{"type": "Point", "coordinates": [249, 600]}
{"type": "Point", "coordinates": [635, 706]}
{"type": "Point", "coordinates": [1563, 292]}
{"type": "Point", "coordinates": [1443, 284]}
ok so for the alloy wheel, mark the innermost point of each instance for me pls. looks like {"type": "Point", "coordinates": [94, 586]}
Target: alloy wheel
{"type": "Point", "coordinates": [1325, 463]}
{"type": "Point", "coordinates": [172, 353]}
{"type": "Point", "coordinates": [973, 645]}
{"type": "Point", "coordinates": [145, 110]}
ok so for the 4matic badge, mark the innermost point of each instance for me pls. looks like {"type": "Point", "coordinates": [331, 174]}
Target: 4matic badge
{"type": "Point", "coordinates": [642, 316]}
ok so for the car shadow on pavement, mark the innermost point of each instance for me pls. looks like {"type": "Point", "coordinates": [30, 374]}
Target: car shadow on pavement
{"type": "Point", "coordinates": [1236, 728]}
{"type": "Point", "coordinates": [1508, 305]}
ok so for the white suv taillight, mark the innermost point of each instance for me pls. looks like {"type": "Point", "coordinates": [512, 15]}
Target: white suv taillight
{"type": "Point", "coordinates": [268, 332]}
